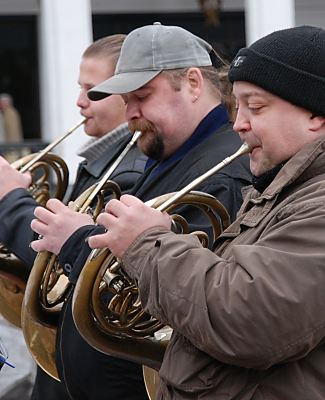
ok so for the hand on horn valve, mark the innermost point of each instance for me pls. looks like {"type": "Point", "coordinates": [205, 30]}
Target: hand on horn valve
{"type": "Point", "coordinates": [125, 220]}
{"type": "Point", "coordinates": [55, 224]}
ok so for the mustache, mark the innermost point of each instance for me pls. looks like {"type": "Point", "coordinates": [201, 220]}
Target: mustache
{"type": "Point", "coordinates": [150, 142]}
{"type": "Point", "coordinates": [141, 125]}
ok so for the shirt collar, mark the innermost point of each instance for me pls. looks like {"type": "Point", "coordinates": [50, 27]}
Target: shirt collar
{"type": "Point", "coordinates": [209, 125]}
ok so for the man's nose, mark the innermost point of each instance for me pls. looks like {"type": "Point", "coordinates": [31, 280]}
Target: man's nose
{"type": "Point", "coordinates": [82, 100]}
{"type": "Point", "coordinates": [241, 124]}
{"type": "Point", "coordinates": [133, 110]}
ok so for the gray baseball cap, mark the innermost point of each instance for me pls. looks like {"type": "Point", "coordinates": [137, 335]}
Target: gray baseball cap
{"type": "Point", "coordinates": [149, 50]}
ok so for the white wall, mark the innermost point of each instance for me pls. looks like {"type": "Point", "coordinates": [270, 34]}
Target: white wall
{"type": "Point", "coordinates": [113, 6]}
{"type": "Point", "coordinates": [8, 7]}
{"type": "Point", "coordinates": [62, 42]}
{"type": "Point", "coordinates": [307, 11]}
{"type": "Point", "coordinates": [263, 17]}
{"type": "Point", "coordinates": [310, 12]}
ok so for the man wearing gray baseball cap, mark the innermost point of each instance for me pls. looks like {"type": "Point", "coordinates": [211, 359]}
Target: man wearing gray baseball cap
{"type": "Point", "coordinates": [150, 50]}
{"type": "Point", "coordinates": [178, 95]}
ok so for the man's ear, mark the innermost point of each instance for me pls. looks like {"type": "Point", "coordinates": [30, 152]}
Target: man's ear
{"type": "Point", "coordinates": [316, 122]}
{"type": "Point", "coordinates": [195, 80]}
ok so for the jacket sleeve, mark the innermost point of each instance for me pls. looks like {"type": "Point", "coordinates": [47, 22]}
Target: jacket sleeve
{"type": "Point", "coordinates": [16, 213]}
{"type": "Point", "coordinates": [261, 306]}
{"type": "Point", "coordinates": [75, 251]}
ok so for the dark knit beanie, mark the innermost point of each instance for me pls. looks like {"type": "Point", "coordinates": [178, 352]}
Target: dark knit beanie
{"type": "Point", "coordinates": [289, 63]}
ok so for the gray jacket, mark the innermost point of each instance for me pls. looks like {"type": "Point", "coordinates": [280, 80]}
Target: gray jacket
{"type": "Point", "coordinates": [248, 321]}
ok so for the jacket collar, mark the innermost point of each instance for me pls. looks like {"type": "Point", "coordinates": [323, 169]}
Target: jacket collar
{"type": "Point", "coordinates": [296, 169]}
{"type": "Point", "coordinates": [105, 151]}
{"type": "Point", "coordinates": [96, 147]}
{"type": "Point", "coordinates": [304, 165]}
{"type": "Point", "coordinates": [216, 118]}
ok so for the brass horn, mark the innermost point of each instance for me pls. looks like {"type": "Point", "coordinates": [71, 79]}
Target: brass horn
{"type": "Point", "coordinates": [13, 272]}
{"type": "Point", "coordinates": [122, 328]}
{"type": "Point", "coordinates": [47, 286]}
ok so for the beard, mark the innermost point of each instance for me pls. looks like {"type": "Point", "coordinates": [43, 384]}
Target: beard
{"type": "Point", "coordinates": [150, 142]}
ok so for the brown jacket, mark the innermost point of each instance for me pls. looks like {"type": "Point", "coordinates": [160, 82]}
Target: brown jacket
{"type": "Point", "coordinates": [249, 321]}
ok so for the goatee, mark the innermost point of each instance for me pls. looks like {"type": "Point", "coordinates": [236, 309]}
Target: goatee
{"type": "Point", "coordinates": [150, 142]}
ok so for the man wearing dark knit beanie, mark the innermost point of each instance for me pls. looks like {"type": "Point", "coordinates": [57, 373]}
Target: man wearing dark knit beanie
{"type": "Point", "coordinates": [289, 63]}
{"type": "Point", "coordinates": [248, 319]}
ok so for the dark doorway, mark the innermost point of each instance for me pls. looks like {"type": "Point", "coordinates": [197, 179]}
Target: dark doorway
{"type": "Point", "coordinates": [19, 69]}
{"type": "Point", "coordinates": [228, 37]}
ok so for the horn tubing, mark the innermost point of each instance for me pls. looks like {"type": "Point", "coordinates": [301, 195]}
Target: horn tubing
{"type": "Point", "coordinates": [13, 273]}
{"type": "Point", "coordinates": [244, 149]}
{"type": "Point", "coordinates": [109, 172]}
{"type": "Point", "coordinates": [98, 256]}
{"type": "Point", "coordinates": [39, 322]}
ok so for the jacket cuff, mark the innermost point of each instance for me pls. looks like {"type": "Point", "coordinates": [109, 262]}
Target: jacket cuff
{"type": "Point", "coordinates": [137, 252]}
{"type": "Point", "coordinates": [15, 194]}
{"type": "Point", "coordinates": [75, 251]}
